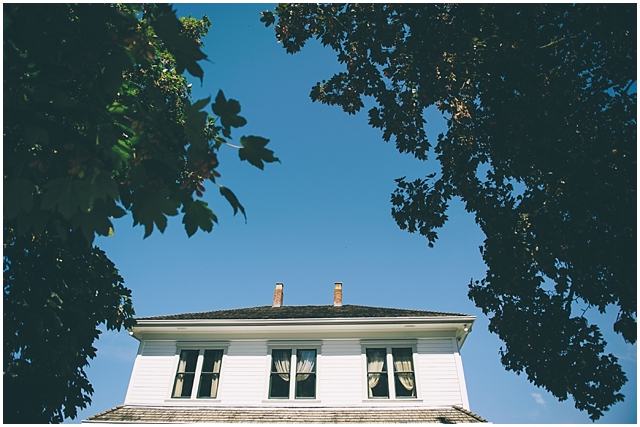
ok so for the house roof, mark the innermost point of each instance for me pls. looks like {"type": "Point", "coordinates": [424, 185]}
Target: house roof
{"type": "Point", "coordinates": [282, 415]}
{"type": "Point", "coordinates": [304, 312]}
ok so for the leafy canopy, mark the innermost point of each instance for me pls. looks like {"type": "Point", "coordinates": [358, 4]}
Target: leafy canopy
{"type": "Point", "coordinates": [56, 293]}
{"type": "Point", "coordinates": [540, 103]}
{"type": "Point", "coordinates": [98, 122]}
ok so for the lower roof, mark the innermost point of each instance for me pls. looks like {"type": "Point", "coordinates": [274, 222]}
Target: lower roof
{"type": "Point", "coordinates": [287, 415]}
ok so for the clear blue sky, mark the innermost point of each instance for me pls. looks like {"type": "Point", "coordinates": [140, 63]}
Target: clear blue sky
{"type": "Point", "coordinates": [321, 215]}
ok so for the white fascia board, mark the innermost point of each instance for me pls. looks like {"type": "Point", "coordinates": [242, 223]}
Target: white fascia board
{"type": "Point", "coordinates": [326, 325]}
{"type": "Point", "coordinates": [448, 320]}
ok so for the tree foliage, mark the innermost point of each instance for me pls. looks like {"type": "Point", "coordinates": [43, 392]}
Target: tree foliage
{"type": "Point", "coordinates": [540, 103]}
{"type": "Point", "coordinates": [99, 119]}
{"type": "Point", "coordinates": [98, 122]}
{"type": "Point", "coordinates": [56, 293]}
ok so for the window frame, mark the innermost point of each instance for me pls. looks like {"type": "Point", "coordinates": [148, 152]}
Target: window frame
{"type": "Point", "coordinates": [201, 347]}
{"type": "Point", "coordinates": [294, 347]}
{"type": "Point", "coordinates": [388, 346]}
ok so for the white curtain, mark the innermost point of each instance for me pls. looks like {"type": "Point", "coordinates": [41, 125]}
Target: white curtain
{"type": "Point", "coordinates": [282, 363]}
{"type": "Point", "coordinates": [306, 363]}
{"type": "Point", "coordinates": [375, 363]}
{"type": "Point", "coordinates": [404, 367]}
{"type": "Point", "coordinates": [216, 371]}
{"type": "Point", "coordinates": [182, 366]}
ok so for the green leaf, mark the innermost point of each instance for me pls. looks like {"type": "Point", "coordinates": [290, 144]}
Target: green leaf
{"type": "Point", "coordinates": [120, 154]}
{"type": "Point", "coordinates": [152, 207]}
{"type": "Point", "coordinates": [186, 51]}
{"type": "Point", "coordinates": [219, 106]}
{"type": "Point", "coordinates": [67, 196]}
{"type": "Point", "coordinates": [104, 187]}
{"type": "Point", "coordinates": [228, 113]}
{"type": "Point", "coordinates": [92, 222]}
{"type": "Point", "coordinates": [198, 105]}
{"type": "Point", "coordinates": [34, 221]}
{"type": "Point", "coordinates": [97, 219]}
{"type": "Point", "coordinates": [196, 121]}
{"type": "Point", "coordinates": [18, 197]}
{"type": "Point", "coordinates": [233, 201]}
{"type": "Point", "coordinates": [233, 121]}
{"type": "Point", "coordinates": [254, 152]}
{"type": "Point", "coordinates": [198, 215]}
{"type": "Point", "coordinates": [267, 18]}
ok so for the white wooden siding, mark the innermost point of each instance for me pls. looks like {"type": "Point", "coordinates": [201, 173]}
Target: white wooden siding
{"type": "Point", "coordinates": [244, 372]}
{"type": "Point", "coordinates": [438, 373]}
{"type": "Point", "coordinates": [341, 373]}
{"type": "Point", "coordinates": [153, 373]}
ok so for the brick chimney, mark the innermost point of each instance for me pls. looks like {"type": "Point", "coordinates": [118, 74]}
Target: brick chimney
{"type": "Point", "coordinates": [278, 295]}
{"type": "Point", "coordinates": [337, 295]}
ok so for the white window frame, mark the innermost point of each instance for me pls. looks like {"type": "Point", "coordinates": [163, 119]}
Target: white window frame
{"type": "Point", "coordinates": [389, 345]}
{"type": "Point", "coordinates": [201, 347]}
{"type": "Point", "coordinates": [294, 346]}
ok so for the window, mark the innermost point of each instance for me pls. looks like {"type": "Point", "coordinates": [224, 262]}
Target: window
{"type": "Point", "coordinates": [297, 364]}
{"type": "Point", "coordinates": [201, 364]}
{"type": "Point", "coordinates": [397, 382]}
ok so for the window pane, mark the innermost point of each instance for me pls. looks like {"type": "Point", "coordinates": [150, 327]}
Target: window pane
{"type": "Point", "coordinates": [305, 374]}
{"type": "Point", "coordinates": [376, 360]}
{"type": "Point", "coordinates": [183, 385]}
{"type": "Point", "coordinates": [405, 385]}
{"type": "Point", "coordinates": [280, 374]}
{"type": "Point", "coordinates": [403, 372]}
{"type": "Point", "coordinates": [378, 382]}
{"type": "Point", "coordinates": [186, 373]}
{"type": "Point", "coordinates": [306, 361]}
{"type": "Point", "coordinates": [208, 385]}
{"type": "Point", "coordinates": [188, 360]}
{"type": "Point", "coordinates": [378, 385]}
{"type": "Point", "coordinates": [279, 386]}
{"type": "Point", "coordinates": [402, 359]}
{"type": "Point", "coordinates": [210, 373]}
{"type": "Point", "coordinates": [306, 386]}
{"type": "Point", "coordinates": [212, 361]}
{"type": "Point", "coordinates": [281, 361]}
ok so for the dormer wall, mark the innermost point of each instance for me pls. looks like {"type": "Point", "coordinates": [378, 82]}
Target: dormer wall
{"type": "Point", "coordinates": [341, 364]}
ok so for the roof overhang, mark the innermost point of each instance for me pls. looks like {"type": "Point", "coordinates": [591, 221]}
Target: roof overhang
{"type": "Point", "coordinates": [458, 325]}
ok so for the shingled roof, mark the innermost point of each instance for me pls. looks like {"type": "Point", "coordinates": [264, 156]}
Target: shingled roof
{"type": "Point", "coordinates": [304, 312]}
{"type": "Point", "coordinates": [133, 414]}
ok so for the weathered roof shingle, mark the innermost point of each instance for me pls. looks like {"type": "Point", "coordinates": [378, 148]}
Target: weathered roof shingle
{"type": "Point", "coordinates": [133, 414]}
{"type": "Point", "coordinates": [303, 312]}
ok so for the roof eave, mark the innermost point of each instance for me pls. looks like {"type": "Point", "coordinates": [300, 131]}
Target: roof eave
{"type": "Point", "coordinates": [310, 321]}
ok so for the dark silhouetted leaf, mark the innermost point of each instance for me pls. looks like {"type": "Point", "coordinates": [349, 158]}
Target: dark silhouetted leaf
{"type": "Point", "coordinates": [253, 150]}
{"type": "Point", "coordinates": [233, 201]}
{"type": "Point", "coordinates": [198, 215]}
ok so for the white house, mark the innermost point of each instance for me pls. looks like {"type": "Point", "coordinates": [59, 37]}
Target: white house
{"type": "Point", "coordinates": [298, 364]}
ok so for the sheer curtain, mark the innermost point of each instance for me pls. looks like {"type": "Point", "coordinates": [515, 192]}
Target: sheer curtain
{"type": "Point", "coordinates": [403, 365]}
{"type": "Point", "coordinates": [306, 363]}
{"type": "Point", "coordinates": [282, 363]}
{"type": "Point", "coordinates": [375, 363]}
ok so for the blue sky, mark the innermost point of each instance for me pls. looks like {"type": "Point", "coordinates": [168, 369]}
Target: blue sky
{"type": "Point", "coordinates": [322, 215]}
